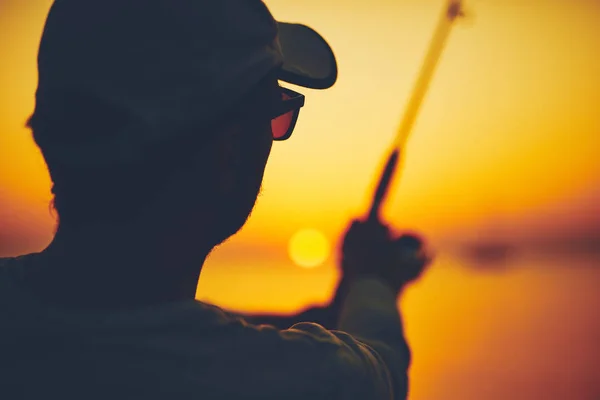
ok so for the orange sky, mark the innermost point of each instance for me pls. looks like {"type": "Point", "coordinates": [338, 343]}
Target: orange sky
{"type": "Point", "coordinates": [508, 135]}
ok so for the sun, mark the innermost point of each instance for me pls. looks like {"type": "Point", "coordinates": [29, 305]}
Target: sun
{"type": "Point", "coordinates": [309, 248]}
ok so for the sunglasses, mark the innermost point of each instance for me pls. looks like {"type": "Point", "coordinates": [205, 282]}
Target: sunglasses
{"type": "Point", "coordinates": [285, 115]}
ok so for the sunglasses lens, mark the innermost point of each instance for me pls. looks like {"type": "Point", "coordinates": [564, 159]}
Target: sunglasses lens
{"type": "Point", "coordinates": [281, 125]}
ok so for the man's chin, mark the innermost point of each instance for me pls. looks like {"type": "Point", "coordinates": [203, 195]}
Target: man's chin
{"type": "Point", "coordinates": [231, 225]}
{"type": "Point", "coordinates": [225, 235]}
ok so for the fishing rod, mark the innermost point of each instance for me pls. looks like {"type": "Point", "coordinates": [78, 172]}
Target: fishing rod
{"type": "Point", "coordinates": [452, 11]}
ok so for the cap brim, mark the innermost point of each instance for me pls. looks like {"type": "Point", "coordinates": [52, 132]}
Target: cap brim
{"type": "Point", "coordinates": [308, 58]}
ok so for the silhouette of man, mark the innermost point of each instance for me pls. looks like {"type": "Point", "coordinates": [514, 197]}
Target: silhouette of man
{"type": "Point", "coordinates": [156, 119]}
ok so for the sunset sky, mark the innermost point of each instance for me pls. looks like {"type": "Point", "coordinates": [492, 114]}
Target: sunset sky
{"type": "Point", "coordinates": [509, 128]}
{"type": "Point", "coordinates": [506, 145]}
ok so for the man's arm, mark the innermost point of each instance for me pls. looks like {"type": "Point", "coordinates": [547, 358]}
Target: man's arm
{"type": "Point", "coordinates": [319, 315]}
{"type": "Point", "coordinates": [367, 358]}
{"type": "Point", "coordinates": [367, 354]}
{"type": "Point", "coordinates": [327, 316]}
{"type": "Point", "coordinates": [364, 325]}
{"type": "Point", "coordinates": [370, 314]}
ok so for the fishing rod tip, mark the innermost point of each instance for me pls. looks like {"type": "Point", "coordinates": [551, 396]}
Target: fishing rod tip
{"type": "Point", "coordinates": [455, 10]}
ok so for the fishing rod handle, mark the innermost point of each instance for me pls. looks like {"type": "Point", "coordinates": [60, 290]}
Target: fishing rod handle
{"type": "Point", "coordinates": [384, 185]}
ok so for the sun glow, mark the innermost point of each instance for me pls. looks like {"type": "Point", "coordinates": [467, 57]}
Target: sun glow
{"type": "Point", "coordinates": [309, 248]}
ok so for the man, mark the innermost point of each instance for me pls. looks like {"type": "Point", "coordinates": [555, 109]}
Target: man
{"type": "Point", "coordinates": [156, 119]}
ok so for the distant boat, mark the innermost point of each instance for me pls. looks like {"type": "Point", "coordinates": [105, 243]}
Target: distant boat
{"type": "Point", "coordinates": [489, 252]}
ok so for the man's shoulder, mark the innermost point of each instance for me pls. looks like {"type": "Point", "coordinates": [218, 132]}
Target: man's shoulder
{"type": "Point", "coordinates": [301, 338]}
{"type": "Point", "coordinates": [4, 261]}
{"type": "Point", "coordinates": [9, 266]}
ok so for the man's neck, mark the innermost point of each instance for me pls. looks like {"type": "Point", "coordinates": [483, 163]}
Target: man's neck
{"type": "Point", "coordinates": [116, 267]}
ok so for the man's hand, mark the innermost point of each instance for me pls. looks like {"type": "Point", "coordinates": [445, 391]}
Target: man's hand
{"type": "Point", "coordinates": [370, 250]}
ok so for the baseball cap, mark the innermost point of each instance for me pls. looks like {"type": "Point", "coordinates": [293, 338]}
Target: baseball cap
{"type": "Point", "coordinates": [166, 63]}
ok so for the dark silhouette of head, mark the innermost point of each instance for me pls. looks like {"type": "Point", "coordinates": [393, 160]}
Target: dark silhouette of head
{"type": "Point", "coordinates": [207, 179]}
{"type": "Point", "coordinates": [165, 118]}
